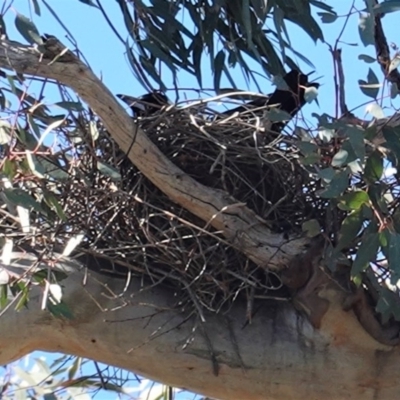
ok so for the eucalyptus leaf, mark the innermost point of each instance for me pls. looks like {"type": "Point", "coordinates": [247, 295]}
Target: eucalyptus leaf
{"type": "Point", "coordinates": [366, 253]}
{"type": "Point", "coordinates": [375, 110]}
{"type": "Point", "coordinates": [340, 158]}
{"type": "Point", "coordinates": [350, 228]}
{"type": "Point", "coordinates": [311, 228]}
{"type": "Point", "coordinates": [366, 58]}
{"type": "Point", "coordinates": [394, 64]}
{"type": "Point", "coordinates": [70, 105]}
{"type": "Point", "coordinates": [373, 167]}
{"type": "Point", "coordinates": [337, 186]}
{"type": "Point", "coordinates": [327, 18]}
{"type": "Point", "coordinates": [28, 29]}
{"type": "Point", "coordinates": [326, 174]}
{"type": "Point", "coordinates": [388, 305]}
{"type": "Point", "coordinates": [387, 7]}
{"type": "Point", "coordinates": [353, 200]}
{"type": "Point", "coordinates": [366, 29]}
{"type": "Point", "coordinates": [19, 197]}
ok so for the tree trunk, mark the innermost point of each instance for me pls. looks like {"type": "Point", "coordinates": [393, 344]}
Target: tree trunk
{"type": "Point", "coordinates": [280, 356]}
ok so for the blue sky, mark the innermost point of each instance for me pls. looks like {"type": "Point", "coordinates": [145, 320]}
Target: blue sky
{"type": "Point", "coordinates": [105, 53]}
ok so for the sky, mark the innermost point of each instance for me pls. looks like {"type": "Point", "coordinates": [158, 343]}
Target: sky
{"type": "Point", "coordinates": [105, 54]}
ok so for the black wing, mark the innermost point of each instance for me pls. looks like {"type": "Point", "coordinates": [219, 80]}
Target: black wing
{"type": "Point", "coordinates": [145, 105]}
{"type": "Point", "coordinates": [290, 100]}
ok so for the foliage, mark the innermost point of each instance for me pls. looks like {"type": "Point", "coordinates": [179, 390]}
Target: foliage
{"type": "Point", "coordinates": [338, 167]}
{"type": "Point", "coordinates": [70, 378]}
{"type": "Point", "coordinates": [225, 31]}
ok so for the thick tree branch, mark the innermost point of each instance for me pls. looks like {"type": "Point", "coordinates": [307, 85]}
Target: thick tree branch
{"type": "Point", "coordinates": [278, 357]}
{"type": "Point", "coordinates": [240, 225]}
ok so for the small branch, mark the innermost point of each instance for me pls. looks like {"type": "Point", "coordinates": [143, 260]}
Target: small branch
{"type": "Point", "coordinates": [337, 55]}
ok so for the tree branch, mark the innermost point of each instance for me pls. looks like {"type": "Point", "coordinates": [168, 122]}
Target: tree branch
{"type": "Point", "coordinates": [278, 357]}
{"type": "Point", "coordinates": [241, 226]}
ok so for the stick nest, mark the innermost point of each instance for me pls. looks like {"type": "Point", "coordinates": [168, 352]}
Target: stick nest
{"type": "Point", "coordinates": [125, 218]}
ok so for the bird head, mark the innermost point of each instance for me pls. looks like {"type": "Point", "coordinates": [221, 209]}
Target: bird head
{"type": "Point", "coordinates": [145, 105]}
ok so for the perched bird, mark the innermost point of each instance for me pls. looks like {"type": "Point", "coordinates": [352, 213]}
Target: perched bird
{"type": "Point", "coordinates": [290, 100]}
{"type": "Point", "coordinates": [145, 105]}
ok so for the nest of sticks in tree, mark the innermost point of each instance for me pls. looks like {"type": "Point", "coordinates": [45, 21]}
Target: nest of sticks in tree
{"type": "Point", "coordinates": [131, 222]}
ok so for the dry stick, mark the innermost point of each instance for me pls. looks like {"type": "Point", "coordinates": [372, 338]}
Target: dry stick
{"type": "Point", "coordinates": [342, 102]}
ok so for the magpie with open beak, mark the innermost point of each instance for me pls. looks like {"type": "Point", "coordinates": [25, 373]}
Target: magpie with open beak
{"type": "Point", "coordinates": [290, 99]}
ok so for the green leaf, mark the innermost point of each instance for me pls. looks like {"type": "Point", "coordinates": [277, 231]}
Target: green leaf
{"type": "Point", "coordinates": [23, 299]}
{"type": "Point", "coordinates": [219, 63]}
{"type": "Point", "coordinates": [327, 18]}
{"type": "Point", "coordinates": [5, 132]}
{"type": "Point", "coordinates": [340, 158]}
{"type": "Point", "coordinates": [326, 174]}
{"type": "Point", "coordinates": [246, 21]}
{"type": "Point", "coordinates": [372, 86]}
{"type": "Point", "coordinates": [373, 167]}
{"type": "Point", "coordinates": [387, 7]}
{"type": "Point", "coordinates": [356, 138]}
{"type": "Point", "coordinates": [306, 147]}
{"type": "Point", "coordinates": [392, 252]}
{"type": "Point", "coordinates": [36, 7]}
{"type": "Point", "coordinates": [351, 227]}
{"type": "Point", "coordinates": [298, 13]}
{"type": "Point", "coordinates": [311, 228]}
{"type": "Point", "coordinates": [19, 197]}
{"type": "Point", "coordinates": [366, 58]}
{"type": "Point", "coordinates": [352, 156]}
{"type": "Point", "coordinates": [394, 90]}
{"type": "Point", "coordinates": [388, 305]}
{"type": "Point", "coordinates": [396, 219]}
{"type": "Point", "coordinates": [260, 7]}
{"type": "Point", "coordinates": [375, 110]}
{"type": "Point", "coordinates": [376, 194]}
{"type": "Point", "coordinates": [366, 29]}
{"type": "Point", "coordinates": [109, 171]}
{"type": "Point", "coordinates": [392, 137]}
{"type": "Point", "coordinates": [326, 135]}
{"type": "Point", "coordinates": [394, 64]}
{"type": "Point", "coordinates": [3, 296]}
{"type": "Point", "coordinates": [89, 3]}
{"type": "Point", "coordinates": [197, 52]}
{"type": "Point", "coordinates": [76, 365]}
{"type": "Point", "coordinates": [40, 276]}
{"type": "Point", "coordinates": [366, 252]}
{"type": "Point", "coordinates": [54, 204]}
{"type": "Point", "coordinates": [27, 29]}
{"type": "Point", "coordinates": [60, 310]}
{"type": "Point", "coordinates": [338, 185]}
{"type": "Point", "coordinates": [353, 201]}
{"type": "Point", "coordinates": [70, 105]}
{"type": "Point", "coordinates": [311, 159]}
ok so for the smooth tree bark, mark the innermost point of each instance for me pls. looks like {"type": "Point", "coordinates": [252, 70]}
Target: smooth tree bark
{"type": "Point", "coordinates": [281, 355]}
